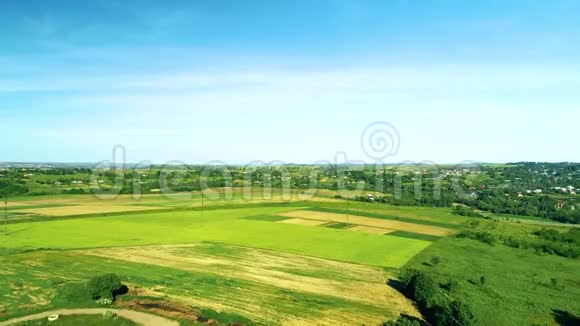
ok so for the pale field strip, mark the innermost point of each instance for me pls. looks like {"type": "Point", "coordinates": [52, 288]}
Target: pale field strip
{"type": "Point", "coordinates": [301, 221]}
{"type": "Point", "coordinates": [407, 214]}
{"type": "Point", "coordinates": [19, 203]}
{"type": "Point", "coordinates": [363, 284]}
{"type": "Point", "coordinates": [370, 229]}
{"type": "Point", "coordinates": [359, 228]}
{"type": "Point", "coordinates": [368, 221]}
{"type": "Point", "coordinates": [84, 209]}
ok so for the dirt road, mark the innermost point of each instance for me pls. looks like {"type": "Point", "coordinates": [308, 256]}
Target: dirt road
{"type": "Point", "coordinates": [135, 316]}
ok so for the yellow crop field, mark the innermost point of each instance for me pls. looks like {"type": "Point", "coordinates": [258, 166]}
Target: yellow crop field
{"type": "Point", "coordinates": [367, 221]}
{"type": "Point", "coordinates": [84, 209]}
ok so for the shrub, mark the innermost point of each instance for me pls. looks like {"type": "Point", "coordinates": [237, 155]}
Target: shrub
{"type": "Point", "coordinates": [104, 286]}
{"type": "Point", "coordinates": [430, 298]}
{"type": "Point", "coordinates": [109, 315]}
{"type": "Point", "coordinates": [403, 321]}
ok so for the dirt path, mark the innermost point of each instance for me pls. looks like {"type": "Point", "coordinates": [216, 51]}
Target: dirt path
{"type": "Point", "coordinates": [135, 316]}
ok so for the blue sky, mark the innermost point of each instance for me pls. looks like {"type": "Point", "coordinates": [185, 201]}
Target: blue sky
{"type": "Point", "coordinates": [295, 81]}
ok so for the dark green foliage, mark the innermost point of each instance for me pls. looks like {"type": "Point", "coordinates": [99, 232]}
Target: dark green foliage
{"type": "Point", "coordinates": [10, 188]}
{"type": "Point", "coordinates": [424, 289]}
{"type": "Point", "coordinates": [104, 286]}
{"type": "Point", "coordinates": [403, 321]}
{"type": "Point", "coordinates": [548, 241]}
{"type": "Point", "coordinates": [572, 236]}
{"type": "Point", "coordinates": [505, 189]}
{"type": "Point", "coordinates": [456, 313]}
{"type": "Point", "coordinates": [521, 287]}
{"type": "Point", "coordinates": [437, 305]}
{"type": "Point", "coordinates": [466, 211]}
{"type": "Point", "coordinates": [484, 237]}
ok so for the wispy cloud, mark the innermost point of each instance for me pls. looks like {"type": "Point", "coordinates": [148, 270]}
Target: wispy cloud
{"type": "Point", "coordinates": [376, 79]}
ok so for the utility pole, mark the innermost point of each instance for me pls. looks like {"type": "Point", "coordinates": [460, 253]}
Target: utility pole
{"type": "Point", "coordinates": [347, 212]}
{"type": "Point", "coordinates": [202, 203]}
{"type": "Point", "coordinates": [5, 215]}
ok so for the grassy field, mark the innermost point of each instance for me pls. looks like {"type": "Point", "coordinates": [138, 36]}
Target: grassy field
{"type": "Point", "coordinates": [238, 257]}
{"type": "Point", "coordinates": [265, 286]}
{"type": "Point", "coordinates": [272, 261]}
{"type": "Point", "coordinates": [521, 287]}
{"type": "Point", "coordinates": [227, 225]}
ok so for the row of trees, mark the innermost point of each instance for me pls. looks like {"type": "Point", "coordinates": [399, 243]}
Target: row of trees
{"type": "Point", "coordinates": [494, 201]}
{"type": "Point", "coordinates": [546, 241]}
{"type": "Point", "coordinates": [437, 305]}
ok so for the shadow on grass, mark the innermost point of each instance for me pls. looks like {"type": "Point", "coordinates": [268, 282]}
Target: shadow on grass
{"type": "Point", "coordinates": [400, 287]}
{"type": "Point", "coordinates": [397, 285]}
{"type": "Point", "coordinates": [565, 318]}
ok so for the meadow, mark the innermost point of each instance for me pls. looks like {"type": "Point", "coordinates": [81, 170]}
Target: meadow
{"type": "Point", "coordinates": [274, 260]}
{"type": "Point", "coordinates": [520, 287]}
{"type": "Point", "coordinates": [236, 257]}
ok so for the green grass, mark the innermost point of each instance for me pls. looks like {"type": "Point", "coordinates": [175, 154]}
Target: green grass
{"type": "Point", "coordinates": [226, 226]}
{"type": "Point", "coordinates": [411, 235]}
{"type": "Point", "coordinates": [39, 258]}
{"type": "Point", "coordinates": [267, 218]}
{"type": "Point", "coordinates": [337, 225]}
{"type": "Point", "coordinates": [30, 280]}
{"type": "Point", "coordinates": [85, 320]}
{"type": "Point", "coordinates": [521, 287]}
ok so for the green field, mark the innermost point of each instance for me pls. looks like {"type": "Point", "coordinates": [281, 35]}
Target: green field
{"type": "Point", "coordinates": [272, 262]}
{"type": "Point", "coordinates": [234, 258]}
{"type": "Point", "coordinates": [229, 226]}
{"type": "Point", "coordinates": [518, 290]}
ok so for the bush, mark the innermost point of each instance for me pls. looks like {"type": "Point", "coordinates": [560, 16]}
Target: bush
{"type": "Point", "coordinates": [403, 321]}
{"type": "Point", "coordinates": [433, 304]}
{"type": "Point", "coordinates": [104, 286]}
{"type": "Point", "coordinates": [456, 314]}
{"type": "Point", "coordinates": [109, 315]}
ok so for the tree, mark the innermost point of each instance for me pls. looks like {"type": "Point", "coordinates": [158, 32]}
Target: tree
{"type": "Point", "coordinates": [425, 289]}
{"type": "Point", "coordinates": [460, 314]}
{"type": "Point", "coordinates": [9, 188]}
{"type": "Point", "coordinates": [104, 286]}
